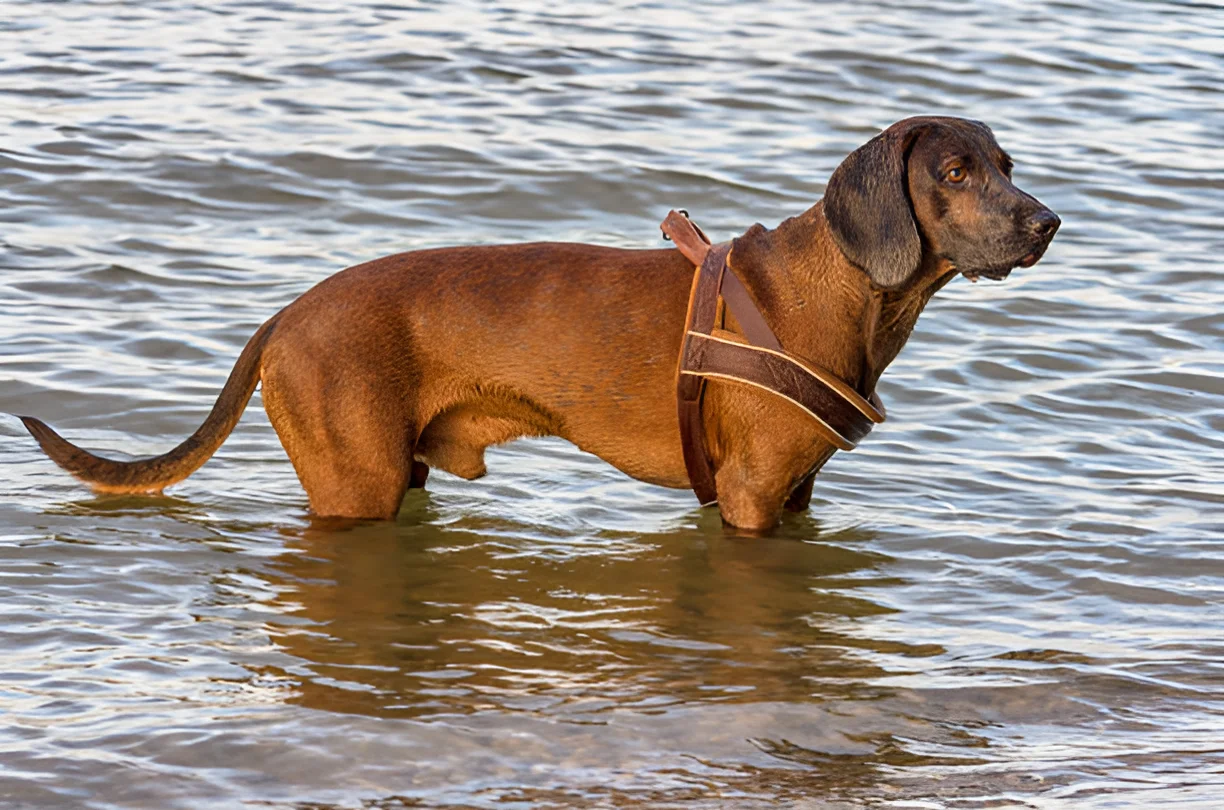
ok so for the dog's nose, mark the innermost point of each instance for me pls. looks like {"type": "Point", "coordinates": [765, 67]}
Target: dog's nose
{"type": "Point", "coordinates": [1044, 223]}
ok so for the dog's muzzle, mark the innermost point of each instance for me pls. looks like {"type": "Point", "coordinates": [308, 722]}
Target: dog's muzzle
{"type": "Point", "coordinates": [1038, 231]}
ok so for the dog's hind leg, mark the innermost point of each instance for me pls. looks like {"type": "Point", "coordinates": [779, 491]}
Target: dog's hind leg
{"type": "Point", "coordinates": [349, 436]}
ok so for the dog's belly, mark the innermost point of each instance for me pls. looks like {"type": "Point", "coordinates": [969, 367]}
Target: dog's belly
{"type": "Point", "coordinates": [636, 440]}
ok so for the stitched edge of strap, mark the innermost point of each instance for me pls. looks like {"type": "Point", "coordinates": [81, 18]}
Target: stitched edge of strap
{"type": "Point", "coordinates": [697, 461]}
{"type": "Point", "coordinates": [836, 439]}
{"type": "Point", "coordinates": [839, 387]}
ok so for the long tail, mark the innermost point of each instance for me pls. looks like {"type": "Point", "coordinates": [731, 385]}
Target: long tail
{"type": "Point", "coordinates": [157, 473]}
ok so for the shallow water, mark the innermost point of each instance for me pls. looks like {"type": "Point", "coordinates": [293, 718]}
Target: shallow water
{"type": "Point", "coordinates": [1011, 596]}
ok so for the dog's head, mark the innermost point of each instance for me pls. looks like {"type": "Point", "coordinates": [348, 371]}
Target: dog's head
{"type": "Point", "coordinates": [939, 185]}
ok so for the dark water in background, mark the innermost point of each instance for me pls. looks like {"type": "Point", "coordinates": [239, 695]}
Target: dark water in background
{"type": "Point", "coordinates": [1011, 596]}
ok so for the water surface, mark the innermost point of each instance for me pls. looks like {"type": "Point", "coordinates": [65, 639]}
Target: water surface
{"type": "Point", "coordinates": [1011, 596]}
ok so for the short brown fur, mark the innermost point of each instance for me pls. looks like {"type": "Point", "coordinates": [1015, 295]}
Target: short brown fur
{"type": "Point", "coordinates": [424, 359]}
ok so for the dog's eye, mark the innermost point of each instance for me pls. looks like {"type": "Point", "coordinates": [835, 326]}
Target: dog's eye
{"type": "Point", "coordinates": [956, 174]}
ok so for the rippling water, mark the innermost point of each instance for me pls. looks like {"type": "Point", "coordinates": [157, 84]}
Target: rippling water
{"type": "Point", "coordinates": [1011, 596]}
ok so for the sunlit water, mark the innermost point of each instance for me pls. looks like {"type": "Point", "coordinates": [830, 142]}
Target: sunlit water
{"type": "Point", "coordinates": [1011, 596]}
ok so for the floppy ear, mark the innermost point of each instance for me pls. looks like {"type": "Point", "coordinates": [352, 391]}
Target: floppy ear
{"type": "Point", "coordinates": [868, 208]}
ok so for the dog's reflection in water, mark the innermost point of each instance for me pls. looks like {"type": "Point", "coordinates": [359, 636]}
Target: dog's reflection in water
{"type": "Point", "coordinates": [415, 619]}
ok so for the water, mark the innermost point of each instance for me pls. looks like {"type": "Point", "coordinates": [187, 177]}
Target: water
{"type": "Point", "coordinates": [1011, 596]}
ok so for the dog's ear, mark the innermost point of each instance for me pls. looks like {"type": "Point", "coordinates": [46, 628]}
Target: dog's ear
{"type": "Point", "coordinates": [868, 208]}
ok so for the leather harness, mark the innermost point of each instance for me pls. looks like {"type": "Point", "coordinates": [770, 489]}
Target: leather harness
{"type": "Point", "coordinates": [839, 412]}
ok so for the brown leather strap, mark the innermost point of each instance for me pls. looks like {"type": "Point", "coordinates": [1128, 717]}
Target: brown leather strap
{"type": "Point", "coordinates": [746, 313]}
{"type": "Point", "coordinates": [695, 245]}
{"type": "Point", "coordinates": [840, 421]}
{"type": "Point", "coordinates": [688, 237]}
{"type": "Point", "coordinates": [840, 412]}
{"type": "Point", "coordinates": [702, 313]}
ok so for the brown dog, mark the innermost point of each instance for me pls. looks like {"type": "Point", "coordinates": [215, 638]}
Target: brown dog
{"type": "Point", "coordinates": [426, 358]}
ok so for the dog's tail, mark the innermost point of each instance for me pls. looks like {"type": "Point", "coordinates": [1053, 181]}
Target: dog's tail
{"type": "Point", "coordinates": [157, 473]}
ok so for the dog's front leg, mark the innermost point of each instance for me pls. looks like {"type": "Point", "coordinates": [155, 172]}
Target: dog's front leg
{"type": "Point", "coordinates": [753, 512]}
{"type": "Point", "coordinates": [760, 451]}
{"type": "Point", "coordinates": [801, 495]}
{"type": "Point", "coordinates": [750, 495]}
{"type": "Point", "coordinates": [420, 472]}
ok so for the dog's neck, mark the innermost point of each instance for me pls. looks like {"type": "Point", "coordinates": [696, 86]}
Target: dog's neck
{"type": "Point", "coordinates": [823, 308]}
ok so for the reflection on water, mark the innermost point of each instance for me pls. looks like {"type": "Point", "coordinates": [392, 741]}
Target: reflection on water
{"type": "Point", "coordinates": [1011, 596]}
{"type": "Point", "coordinates": [410, 621]}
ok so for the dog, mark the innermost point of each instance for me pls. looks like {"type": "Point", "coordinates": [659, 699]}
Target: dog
{"type": "Point", "coordinates": [423, 359]}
